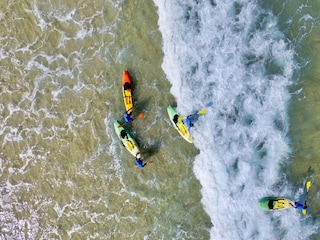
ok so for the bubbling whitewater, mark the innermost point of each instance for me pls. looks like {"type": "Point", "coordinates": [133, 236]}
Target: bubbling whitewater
{"type": "Point", "coordinates": [63, 171]}
{"type": "Point", "coordinates": [230, 57]}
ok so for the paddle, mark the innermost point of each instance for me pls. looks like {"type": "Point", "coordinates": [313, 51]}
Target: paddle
{"type": "Point", "coordinates": [141, 115]}
{"type": "Point", "coordinates": [200, 112]}
{"type": "Point", "coordinates": [308, 185]}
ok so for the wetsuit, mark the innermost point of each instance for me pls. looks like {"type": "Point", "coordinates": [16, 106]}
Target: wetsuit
{"type": "Point", "coordinates": [188, 122]}
{"type": "Point", "coordinates": [140, 163]}
{"type": "Point", "coordinates": [127, 117]}
{"type": "Point", "coordinates": [300, 206]}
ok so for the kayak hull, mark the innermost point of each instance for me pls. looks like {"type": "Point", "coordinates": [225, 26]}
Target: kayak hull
{"type": "Point", "coordinates": [275, 203]}
{"type": "Point", "coordinates": [127, 91]}
{"type": "Point", "coordinates": [127, 140]}
{"type": "Point", "coordinates": [179, 125]}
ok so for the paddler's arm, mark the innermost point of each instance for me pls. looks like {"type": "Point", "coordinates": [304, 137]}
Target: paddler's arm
{"type": "Point", "coordinates": [144, 164]}
{"type": "Point", "coordinates": [294, 206]}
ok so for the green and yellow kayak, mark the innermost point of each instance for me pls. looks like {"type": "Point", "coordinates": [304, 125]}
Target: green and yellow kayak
{"type": "Point", "coordinates": [179, 124]}
{"type": "Point", "coordinates": [126, 139]}
{"type": "Point", "coordinates": [275, 203]}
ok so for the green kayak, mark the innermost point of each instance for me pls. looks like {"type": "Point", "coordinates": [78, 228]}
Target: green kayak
{"type": "Point", "coordinates": [275, 203]}
{"type": "Point", "coordinates": [126, 139]}
{"type": "Point", "coordinates": [179, 124]}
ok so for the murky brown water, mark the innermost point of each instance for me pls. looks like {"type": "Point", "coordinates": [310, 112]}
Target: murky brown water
{"type": "Point", "coordinates": [64, 174]}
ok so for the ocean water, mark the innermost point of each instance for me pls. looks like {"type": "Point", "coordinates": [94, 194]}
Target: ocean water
{"type": "Point", "coordinates": [251, 64]}
{"type": "Point", "coordinates": [245, 62]}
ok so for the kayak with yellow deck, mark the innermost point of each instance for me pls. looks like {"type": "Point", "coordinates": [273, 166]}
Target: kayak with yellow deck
{"type": "Point", "coordinates": [179, 124]}
{"type": "Point", "coordinates": [275, 203]}
{"type": "Point", "coordinates": [279, 203]}
{"type": "Point", "coordinates": [127, 91]}
{"type": "Point", "coordinates": [127, 140]}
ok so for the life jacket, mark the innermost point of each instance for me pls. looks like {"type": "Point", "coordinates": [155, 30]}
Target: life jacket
{"type": "Point", "coordinates": [300, 206]}
{"type": "Point", "coordinates": [127, 117]}
{"type": "Point", "coordinates": [188, 122]}
{"type": "Point", "coordinates": [139, 163]}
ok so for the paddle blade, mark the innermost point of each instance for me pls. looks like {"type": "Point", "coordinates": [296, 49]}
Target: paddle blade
{"type": "Point", "coordinates": [304, 212]}
{"type": "Point", "coordinates": [141, 115]}
{"type": "Point", "coordinates": [308, 185]}
{"type": "Point", "coordinates": [202, 111]}
{"type": "Point", "coordinates": [149, 162]}
{"type": "Point", "coordinates": [180, 118]}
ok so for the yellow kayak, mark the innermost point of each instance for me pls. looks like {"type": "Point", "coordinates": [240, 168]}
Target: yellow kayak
{"type": "Point", "coordinates": [179, 124]}
{"type": "Point", "coordinates": [126, 139]}
{"type": "Point", "coordinates": [127, 91]}
{"type": "Point", "coordinates": [275, 203]}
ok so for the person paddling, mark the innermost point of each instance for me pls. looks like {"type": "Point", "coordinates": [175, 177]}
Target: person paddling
{"type": "Point", "coordinates": [188, 119]}
{"type": "Point", "coordinates": [127, 117]}
{"type": "Point", "coordinates": [303, 207]}
{"type": "Point", "coordinates": [299, 206]}
{"type": "Point", "coordinates": [140, 163]}
{"type": "Point", "coordinates": [189, 122]}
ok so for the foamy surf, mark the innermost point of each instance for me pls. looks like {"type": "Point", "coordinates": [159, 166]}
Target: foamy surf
{"type": "Point", "coordinates": [231, 58]}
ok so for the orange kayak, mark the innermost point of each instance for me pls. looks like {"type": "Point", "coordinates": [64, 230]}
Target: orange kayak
{"type": "Point", "coordinates": [127, 91]}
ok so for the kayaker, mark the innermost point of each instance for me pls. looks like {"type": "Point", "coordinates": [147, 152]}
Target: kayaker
{"type": "Point", "coordinates": [127, 117]}
{"type": "Point", "coordinates": [123, 134]}
{"type": "Point", "coordinates": [127, 86]}
{"type": "Point", "coordinates": [139, 163]}
{"type": "Point", "coordinates": [175, 118]}
{"type": "Point", "coordinates": [300, 206]}
{"type": "Point", "coordinates": [189, 122]}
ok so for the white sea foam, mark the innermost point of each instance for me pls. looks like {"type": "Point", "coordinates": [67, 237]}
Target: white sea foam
{"type": "Point", "coordinates": [116, 163]}
{"type": "Point", "coordinates": [230, 57]}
